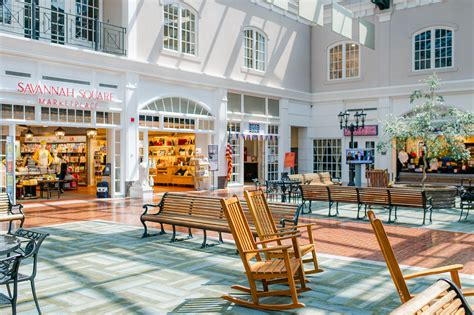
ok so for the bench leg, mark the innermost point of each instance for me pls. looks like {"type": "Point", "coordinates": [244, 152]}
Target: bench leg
{"type": "Point", "coordinates": [175, 239]}
{"type": "Point", "coordinates": [221, 240]}
{"type": "Point", "coordinates": [162, 229]}
{"type": "Point", "coordinates": [330, 208]}
{"type": "Point", "coordinates": [390, 215]}
{"type": "Point", "coordinates": [462, 210]}
{"type": "Point", "coordinates": [358, 211]}
{"type": "Point", "coordinates": [206, 245]}
{"type": "Point", "coordinates": [424, 215]}
{"type": "Point", "coordinates": [310, 208]}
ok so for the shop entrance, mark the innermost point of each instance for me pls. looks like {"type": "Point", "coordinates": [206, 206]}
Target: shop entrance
{"type": "Point", "coordinates": [177, 161]}
{"type": "Point", "coordinates": [61, 163]}
{"type": "Point", "coordinates": [254, 160]}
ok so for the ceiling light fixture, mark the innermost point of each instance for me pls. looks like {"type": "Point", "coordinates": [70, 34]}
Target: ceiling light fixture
{"type": "Point", "coordinates": [91, 133]}
{"type": "Point", "coordinates": [60, 133]}
{"type": "Point", "coordinates": [29, 134]}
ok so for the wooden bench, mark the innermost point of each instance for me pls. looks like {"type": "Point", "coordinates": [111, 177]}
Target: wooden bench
{"type": "Point", "coordinates": [343, 194]}
{"type": "Point", "coordinates": [443, 297]}
{"type": "Point", "coordinates": [10, 212]}
{"type": "Point", "coordinates": [204, 213]}
{"type": "Point", "coordinates": [410, 198]}
{"type": "Point", "coordinates": [370, 196]}
{"type": "Point", "coordinates": [389, 198]}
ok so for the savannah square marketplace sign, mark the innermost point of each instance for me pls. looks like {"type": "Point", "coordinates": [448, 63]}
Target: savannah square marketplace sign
{"type": "Point", "coordinates": [51, 95]}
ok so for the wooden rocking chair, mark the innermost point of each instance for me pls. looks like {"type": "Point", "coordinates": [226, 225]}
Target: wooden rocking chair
{"type": "Point", "coordinates": [266, 229]}
{"type": "Point", "coordinates": [392, 264]}
{"type": "Point", "coordinates": [268, 271]}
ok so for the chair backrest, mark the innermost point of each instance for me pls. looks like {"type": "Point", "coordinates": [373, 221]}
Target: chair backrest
{"type": "Point", "coordinates": [34, 243]}
{"type": "Point", "coordinates": [261, 213]}
{"type": "Point", "coordinates": [377, 178]}
{"type": "Point", "coordinates": [389, 256]}
{"type": "Point", "coordinates": [239, 227]}
{"type": "Point", "coordinates": [4, 203]}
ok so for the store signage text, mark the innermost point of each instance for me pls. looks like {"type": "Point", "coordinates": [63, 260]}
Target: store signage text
{"type": "Point", "coordinates": [368, 130]}
{"type": "Point", "coordinates": [59, 96]}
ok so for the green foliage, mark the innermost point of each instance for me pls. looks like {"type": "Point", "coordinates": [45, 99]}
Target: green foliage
{"type": "Point", "coordinates": [441, 128]}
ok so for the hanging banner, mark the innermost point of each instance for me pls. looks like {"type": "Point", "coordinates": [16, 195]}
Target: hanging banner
{"type": "Point", "coordinates": [289, 160]}
{"type": "Point", "coordinates": [212, 152]}
{"type": "Point", "coordinates": [367, 34]}
{"type": "Point", "coordinates": [341, 20]}
{"type": "Point", "coordinates": [10, 171]}
{"type": "Point", "coordinates": [312, 10]}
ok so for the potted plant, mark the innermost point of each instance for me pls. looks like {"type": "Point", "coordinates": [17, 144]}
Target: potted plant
{"type": "Point", "coordinates": [442, 129]}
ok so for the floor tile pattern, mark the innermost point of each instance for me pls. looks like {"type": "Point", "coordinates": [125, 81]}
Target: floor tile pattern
{"type": "Point", "coordinates": [97, 267]}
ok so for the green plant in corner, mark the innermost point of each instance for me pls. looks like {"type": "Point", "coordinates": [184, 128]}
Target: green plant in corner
{"type": "Point", "coordinates": [442, 129]}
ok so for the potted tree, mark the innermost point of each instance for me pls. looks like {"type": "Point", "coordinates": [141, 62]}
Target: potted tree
{"type": "Point", "coordinates": [440, 128]}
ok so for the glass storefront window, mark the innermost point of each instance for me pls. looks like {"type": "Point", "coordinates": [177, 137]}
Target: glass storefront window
{"type": "Point", "coordinates": [327, 156]}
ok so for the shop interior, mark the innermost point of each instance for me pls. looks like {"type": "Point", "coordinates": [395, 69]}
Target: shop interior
{"type": "Point", "coordinates": [253, 160]}
{"type": "Point", "coordinates": [60, 163]}
{"type": "Point", "coordinates": [177, 160]}
{"type": "Point", "coordinates": [410, 159]}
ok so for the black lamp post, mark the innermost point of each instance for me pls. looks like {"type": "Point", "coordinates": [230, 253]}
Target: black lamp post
{"type": "Point", "coordinates": [358, 123]}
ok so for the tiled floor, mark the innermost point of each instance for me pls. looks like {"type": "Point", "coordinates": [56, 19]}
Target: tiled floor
{"type": "Point", "coordinates": [98, 267]}
{"type": "Point", "coordinates": [100, 264]}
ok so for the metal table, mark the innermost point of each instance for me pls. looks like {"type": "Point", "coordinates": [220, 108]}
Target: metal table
{"type": "Point", "coordinates": [285, 187]}
{"type": "Point", "coordinates": [8, 243]}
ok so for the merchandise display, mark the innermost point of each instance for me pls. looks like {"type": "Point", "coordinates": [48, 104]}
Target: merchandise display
{"type": "Point", "coordinates": [169, 159]}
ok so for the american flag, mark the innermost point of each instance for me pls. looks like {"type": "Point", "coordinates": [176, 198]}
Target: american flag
{"type": "Point", "coordinates": [228, 156]}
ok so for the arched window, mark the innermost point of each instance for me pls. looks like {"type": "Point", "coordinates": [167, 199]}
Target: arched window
{"type": "Point", "coordinates": [179, 32]}
{"type": "Point", "coordinates": [433, 49]}
{"type": "Point", "coordinates": [343, 61]}
{"type": "Point", "coordinates": [255, 45]}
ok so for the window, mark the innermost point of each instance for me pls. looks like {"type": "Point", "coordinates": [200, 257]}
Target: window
{"type": "Point", "coordinates": [18, 112]}
{"type": "Point", "coordinates": [344, 61]}
{"type": "Point", "coordinates": [327, 156]}
{"type": "Point", "coordinates": [107, 118]}
{"type": "Point", "coordinates": [370, 146]}
{"type": "Point", "coordinates": [179, 29]}
{"type": "Point", "coordinates": [433, 49]}
{"type": "Point", "coordinates": [235, 142]}
{"type": "Point", "coordinates": [5, 12]}
{"type": "Point", "coordinates": [254, 50]}
{"type": "Point", "coordinates": [65, 115]}
{"type": "Point", "coordinates": [272, 153]}
{"type": "Point", "coordinates": [87, 13]}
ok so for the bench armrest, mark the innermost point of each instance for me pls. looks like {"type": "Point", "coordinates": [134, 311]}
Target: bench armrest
{"type": "Point", "coordinates": [16, 209]}
{"type": "Point", "coordinates": [146, 206]}
{"type": "Point", "coordinates": [434, 271]}
{"type": "Point", "coordinates": [268, 249]}
{"type": "Point", "coordinates": [283, 233]}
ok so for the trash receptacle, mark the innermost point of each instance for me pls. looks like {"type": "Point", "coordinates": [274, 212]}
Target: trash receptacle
{"type": "Point", "coordinates": [102, 190]}
{"type": "Point", "coordinates": [221, 182]}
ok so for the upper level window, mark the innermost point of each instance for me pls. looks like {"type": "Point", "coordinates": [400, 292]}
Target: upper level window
{"type": "Point", "coordinates": [254, 50]}
{"type": "Point", "coordinates": [344, 61]}
{"type": "Point", "coordinates": [179, 29]}
{"type": "Point", "coordinates": [433, 49]}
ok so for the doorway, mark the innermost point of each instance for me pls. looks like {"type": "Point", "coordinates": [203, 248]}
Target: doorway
{"type": "Point", "coordinates": [254, 153]}
{"type": "Point", "coordinates": [61, 163]}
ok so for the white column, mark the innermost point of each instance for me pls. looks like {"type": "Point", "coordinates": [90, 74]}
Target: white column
{"type": "Point", "coordinates": [130, 8]}
{"type": "Point", "coordinates": [220, 129]}
{"type": "Point", "coordinates": [284, 143]}
{"type": "Point", "coordinates": [386, 161]}
{"type": "Point", "coordinates": [130, 134]}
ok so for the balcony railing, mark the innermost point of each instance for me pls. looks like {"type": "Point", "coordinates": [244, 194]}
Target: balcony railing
{"type": "Point", "coordinates": [54, 25]}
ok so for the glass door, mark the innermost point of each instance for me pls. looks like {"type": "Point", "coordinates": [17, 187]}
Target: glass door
{"type": "Point", "coordinates": [83, 25]}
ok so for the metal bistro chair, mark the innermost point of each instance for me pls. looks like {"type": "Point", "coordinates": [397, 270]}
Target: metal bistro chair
{"type": "Point", "coordinates": [33, 242]}
{"type": "Point", "coordinates": [9, 275]}
{"type": "Point", "coordinates": [466, 196]}
{"type": "Point", "coordinates": [272, 190]}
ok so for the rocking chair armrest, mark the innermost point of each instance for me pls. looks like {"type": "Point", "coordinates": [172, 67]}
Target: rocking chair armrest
{"type": "Point", "coordinates": [282, 233]}
{"type": "Point", "coordinates": [268, 249]}
{"type": "Point", "coordinates": [299, 226]}
{"type": "Point", "coordinates": [276, 239]}
{"type": "Point", "coordinates": [434, 271]}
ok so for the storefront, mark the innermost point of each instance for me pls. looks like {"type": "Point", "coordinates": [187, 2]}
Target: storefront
{"type": "Point", "coordinates": [174, 135]}
{"type": "Point", "coordinates": [253, 132]}
{"type": "Point", "coordinates": [66, 134]}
